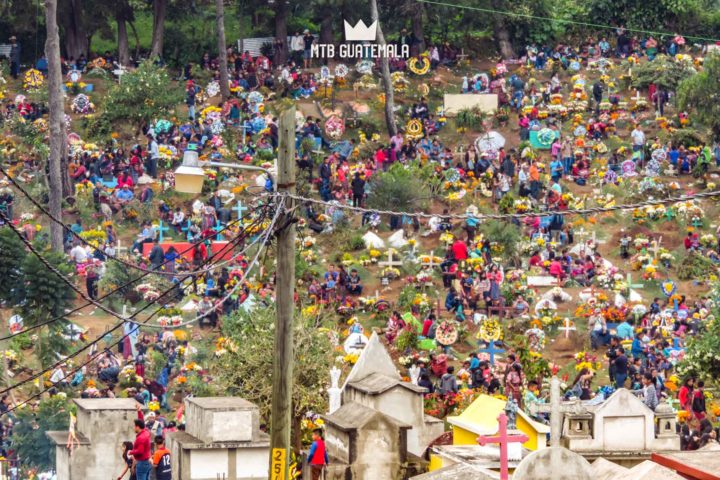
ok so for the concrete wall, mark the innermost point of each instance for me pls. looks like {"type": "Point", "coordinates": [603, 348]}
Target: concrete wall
{"type": "Point", "coordinates": [208, 463]}
{"type": "Point", "coordinates": [221, 426]}
{"type": "Point", "coordinates": [487, 102]}
{"type": "Point", "coordinates": [252, 462]}
{"type": "Point", "coordinates": [407, 407]}
{"type": "Point", "coordinates": [106, 429]}
{"type": "Point", "coordinates": [380, 451]}
{"type": "Point", "coordinates": [337, 444]}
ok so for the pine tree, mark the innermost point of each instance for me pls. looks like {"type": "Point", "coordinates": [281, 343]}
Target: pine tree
{"type": "Point", "coordinates": [12, 253]}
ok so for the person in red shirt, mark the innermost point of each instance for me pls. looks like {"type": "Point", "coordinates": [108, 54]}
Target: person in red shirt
{"type": "Point", "coordinates": [317, 456]}
{"type": "Point", "coordinates": [460, 250]}
{"type": "Point", "coordinates": [141, 447]}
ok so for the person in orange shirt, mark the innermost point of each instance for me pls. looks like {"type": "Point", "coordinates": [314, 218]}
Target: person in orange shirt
{"type": "Point", "coordinates": [534, 181]}
{"type": "Point", "coordinates": [161, 460]}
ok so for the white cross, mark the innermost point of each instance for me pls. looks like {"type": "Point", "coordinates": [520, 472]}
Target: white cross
{"type": "Point", "coordinates": [390, 262]}
{"type": "Point", "coordinates": [119, 249]}
{"type": "Point", "coordinates": [430, 263]}
{"type": "Point", "coordinates": [567, 327]}
{"type": "Point", "coordinates": [655, 249]}
{"type": "Point", "coordinates": [556, 408]}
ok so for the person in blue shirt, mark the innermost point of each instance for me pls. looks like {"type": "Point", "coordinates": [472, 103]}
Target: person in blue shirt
{"type": "Point", "coordinates": [124, 195]}
{"type": "Point", "coordinates": [77, 227]}
{"type": "Point", "coordinates": [624, 330]}
{"type": "Point", "coordinates": [556, 169]}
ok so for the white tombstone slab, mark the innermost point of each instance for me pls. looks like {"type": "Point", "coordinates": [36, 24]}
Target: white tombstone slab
{"type": "Point", "coordinates": [454, 102]}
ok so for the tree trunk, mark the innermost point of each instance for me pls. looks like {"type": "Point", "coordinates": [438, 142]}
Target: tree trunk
{"type": "Point", "coordinates": [417, 28]}
{"type": "Point", "coordinates": [123, 44]}
{"type": "Point", "coordinates": [281, 13]}
{"type": "Point", "coordinates": [137, 40]}
{"type": "Point", "coordinates": [501, 33]}
{"type": "Point", "coordinates": [222, 49]}
{"type": "Point", "coordinates": [158, 35]}
{"type": "Point", "coordinates": [56, 122]}
{"type": "Point", "coordinates": [76, 40]}
{"type": "Point", "coordinates": [326, 29]}
{"type": "Point", "coordinates": [385, 72]}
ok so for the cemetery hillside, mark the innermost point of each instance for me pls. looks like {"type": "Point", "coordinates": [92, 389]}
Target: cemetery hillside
{"type": "Point", "coordinates": [359, 239]}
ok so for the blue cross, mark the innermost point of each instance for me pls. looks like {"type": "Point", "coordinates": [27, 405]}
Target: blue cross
{"type": "Point", "coordinates": [669, 214]}
{"type": "Point", "coordinates": [492, 350]}
{"type": "Point", "coordinates": [160, 229]}
{"type": "Point", "coordinates": [186, 229]}
{"type": "Point", "coordinates": [218, 228]}
{"type": "Point", "coordinates": [239, 208]}
{"type": "Point", "coordinates": [697, 222]}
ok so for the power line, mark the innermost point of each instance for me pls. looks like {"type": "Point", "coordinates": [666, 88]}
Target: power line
{"type": "Point", "coordinates": [119, 288]}
{"type": "Point", "coordinates": [47, 213]}
{"type": "Point", "coordinates": [505, 216]}
{"type": "Point", "coordinates": [93, 357]}
{"type": "Point", "coordinates": [562, 20]}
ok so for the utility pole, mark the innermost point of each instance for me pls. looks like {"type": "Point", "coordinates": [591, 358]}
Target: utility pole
{"type": "Point", "coordinates": [283, 359]}
{"type": "Point", "coordinates": [56, 123]}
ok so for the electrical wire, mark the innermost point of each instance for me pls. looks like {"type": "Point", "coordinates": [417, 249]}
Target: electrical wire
{"type": "Point", "coordinates": [562, 20]}
{"type": "Point", "coordinates": [117, 289]}
{"type": "Point", "coordinates": [93, 357]}
{"type": "Point", "coordinates": [504, 216]}
{"type": "Point", "coordinates": [205, 314]}
{"type": "Point", "coordinates": [48, 214]}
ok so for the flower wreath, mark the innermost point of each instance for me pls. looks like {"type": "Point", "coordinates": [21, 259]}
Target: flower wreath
{"type": "Point", "coordinates": [414, 129]}
{"type": "Point", "coordinates": [419, 70]}
{"type": "Point", "coordinates": [255, 97]}
{"type": "Point", "coordinates": [490, 331]}
{"type": "Point", "coordinates": [324, 72]}
{"type": "Point", "coordinates": [446, 333]}
{"type": "Point", "coordinates": [423, 89]}
{"type": "Point", "coordinates": [341, 70]}
{"type": "Point", "coordinates": [33, 79]}
{"type": "Point", "coordinates": [364, 67]}
{"type": "Point", "coordinates": [334, 127]}
{"type": "Point", "coordinates": [546, 137]}
{"type": "Point", "coordinates": [82, 104]}
{"type": "Point", "coordinates": [98, 63]}
{"type": "Point", "coordinates": [213, 88]}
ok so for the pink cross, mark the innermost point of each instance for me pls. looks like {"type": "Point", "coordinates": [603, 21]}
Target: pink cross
{"type": "Point", "coordinates": [503, 439]}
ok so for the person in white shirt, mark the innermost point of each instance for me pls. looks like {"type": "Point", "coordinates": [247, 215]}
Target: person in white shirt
{"type": "Point", "coordinates": [297, 45]}
{"type": "Point", "coordinates": [78, 254]}
{"type": "Point", "coordinates": [57, 377]}
{"type": "Point", "coordinates": [638, 141]}
{"type": "Point", "coordinates": [178, 219]}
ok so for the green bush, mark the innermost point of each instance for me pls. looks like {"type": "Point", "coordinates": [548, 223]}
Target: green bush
{"type": "Point", "coordinates": [144, 95]}
{"type": "Point", "coordinates": [398, 187]}
{"type": "Point", "coordinates": [694, 266]}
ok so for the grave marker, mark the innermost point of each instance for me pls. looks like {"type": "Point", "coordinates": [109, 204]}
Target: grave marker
{"type": "Point", "coordinates": [503, 439]}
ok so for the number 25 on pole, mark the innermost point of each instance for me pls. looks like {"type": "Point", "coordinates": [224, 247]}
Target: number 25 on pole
{"type": "Point", "coordinates": [279, 462]}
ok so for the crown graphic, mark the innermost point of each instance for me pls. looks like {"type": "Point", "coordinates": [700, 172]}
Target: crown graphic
{"type": "Point", "coordinates": [360, 31]}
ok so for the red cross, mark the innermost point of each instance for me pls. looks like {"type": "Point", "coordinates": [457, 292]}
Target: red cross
{"type": "Point", "coordinates": [503, 439]}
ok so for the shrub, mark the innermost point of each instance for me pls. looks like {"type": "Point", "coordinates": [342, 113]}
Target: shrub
{"type": "Point", "coordinates": [144, 95]}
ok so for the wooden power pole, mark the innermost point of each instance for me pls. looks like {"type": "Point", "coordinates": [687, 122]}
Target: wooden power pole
{"type": "Point", "coordinates": [283, 358]}
{"type": "Point", "coordinates": [56, 123]}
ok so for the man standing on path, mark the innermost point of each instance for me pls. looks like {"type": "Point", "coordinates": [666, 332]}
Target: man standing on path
{"type": "Point", "coordinates": [157, 255]}
{"type": "Point", "coordinates": [141, 447]}
{"type": "Point", "coordinates": [14, 57]}
{"type": "Point", "coordinates": [317, 456]}
{"type": "Point", "coordinates": [161, 460]}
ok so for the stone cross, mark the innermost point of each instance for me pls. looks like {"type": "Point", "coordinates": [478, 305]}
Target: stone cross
{"type": "Point", "coordinates": [390, 262]}
{"type": "Point", "coordinates": [334, 392]}
{"type": "Point", "coordinates": [240, 208]}
{"type": "Point", "coordinates": [556, 409]}
{"type": "Point", "coordinates": [503, 439]}
{"type": "Point", "coordinates": [491, 349]}
{"type": "Point", "coordinates": [567, 327]}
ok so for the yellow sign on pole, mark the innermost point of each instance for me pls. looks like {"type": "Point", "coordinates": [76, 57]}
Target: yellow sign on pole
{"type": "Point", "coordinates": [279, 464]}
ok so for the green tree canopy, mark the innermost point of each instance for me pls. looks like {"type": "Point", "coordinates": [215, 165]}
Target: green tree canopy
{"type": "Point", "coordinates": [701, 94]}
{"type": "Point", "coordinates": [30, 443]}
{"type": "Point", "coordinates": [398, 188]}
